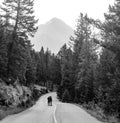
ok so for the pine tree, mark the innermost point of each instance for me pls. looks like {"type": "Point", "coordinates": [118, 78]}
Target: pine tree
{"type": "Point", "coordinates": [84, 60]}
{"type": "Point", "coordinates": [31, 68]}
{"type": "Point", "coordinates": [3, 52]}
{"type": "Point", "coordinates": [66, 96]}
{"type": "Point", "coordinates": [17, 61]}
{"type": "Point", "coordinates": [20, 13]}
{"type": "Point", "coordinates": [67, 78]}
{"type": "Point", "coordinates": [109, 67]}
{"type": "Point", "coordinates": [19, 22]}
{"type": "Point", "coordinates": [55, 70]}
{"type": "Point", "coordinates": [41, 67]}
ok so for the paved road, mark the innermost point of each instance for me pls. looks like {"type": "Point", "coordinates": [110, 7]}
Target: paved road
{"type": "Point", "coordinates": [58, 113]}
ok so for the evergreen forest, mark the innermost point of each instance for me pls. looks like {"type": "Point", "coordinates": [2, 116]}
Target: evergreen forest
{"type": "Point", "coordinates": [85, 72]}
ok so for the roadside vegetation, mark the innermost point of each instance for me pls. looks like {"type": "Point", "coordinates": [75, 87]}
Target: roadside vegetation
{"type": "Point", "coordinates": [87, 72]}
{"type": "Point", "coordinates": [16, 98]}
{"type": "Point", "coordinates": [90, 67]}
{"type": "Point", "coordinates": [23, 71]}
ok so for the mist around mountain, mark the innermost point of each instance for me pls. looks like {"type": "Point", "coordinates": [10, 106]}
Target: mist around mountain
{"type": "Point", "coordinates": [52, 35]}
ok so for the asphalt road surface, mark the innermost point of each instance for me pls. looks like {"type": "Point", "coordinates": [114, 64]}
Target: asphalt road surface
{"type": "Point", "coordinates": [58, 113]}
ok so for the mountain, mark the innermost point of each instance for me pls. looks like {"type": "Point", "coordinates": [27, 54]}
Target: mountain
{"type": "Point", "coordinates": [52, 35]}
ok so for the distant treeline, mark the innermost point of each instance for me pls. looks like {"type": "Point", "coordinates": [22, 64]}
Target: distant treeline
{"type": "Point", "coordinates": [86, 72]}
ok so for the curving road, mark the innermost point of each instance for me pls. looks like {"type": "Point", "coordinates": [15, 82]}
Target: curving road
{"type": "Point", "coordinates": [58, 113]}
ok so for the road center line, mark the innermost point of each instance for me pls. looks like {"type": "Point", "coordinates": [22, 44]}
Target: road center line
{"type": "Point", "coordinates": [54, 114]}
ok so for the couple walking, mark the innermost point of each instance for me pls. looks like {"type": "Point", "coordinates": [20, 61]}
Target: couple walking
{"type": "Point", "coordinates": [49, 100]}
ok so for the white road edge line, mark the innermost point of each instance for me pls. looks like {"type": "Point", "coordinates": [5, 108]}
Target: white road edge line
{"type": "Point", "coordinates": [54, 114]}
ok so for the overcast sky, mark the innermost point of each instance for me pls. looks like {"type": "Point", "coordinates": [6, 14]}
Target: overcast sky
{"type": "Point", "coordinates": [69, 10]}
